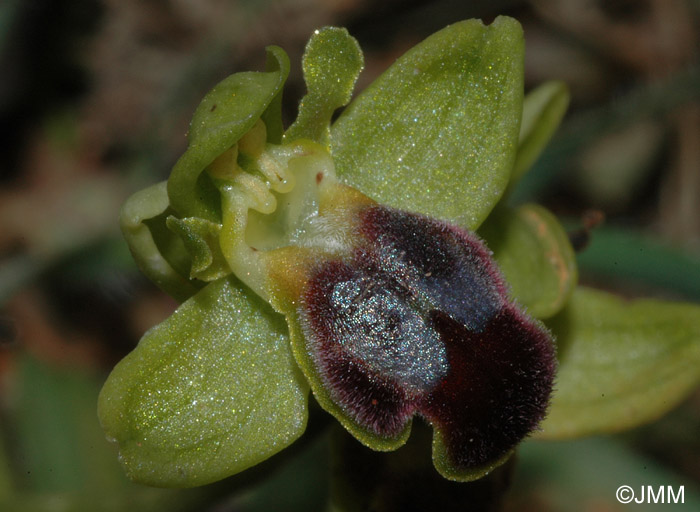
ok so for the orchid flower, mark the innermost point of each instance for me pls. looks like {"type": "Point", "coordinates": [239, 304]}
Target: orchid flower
{"type": "Point", "coordinates": [340, 258]}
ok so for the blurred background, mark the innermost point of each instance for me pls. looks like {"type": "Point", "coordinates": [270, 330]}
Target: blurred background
{"type": "Point", "coordinates": [95, 100]}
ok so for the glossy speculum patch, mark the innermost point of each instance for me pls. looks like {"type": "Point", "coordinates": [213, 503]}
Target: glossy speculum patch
{"type": "Point", "coordinates": [417, 321]}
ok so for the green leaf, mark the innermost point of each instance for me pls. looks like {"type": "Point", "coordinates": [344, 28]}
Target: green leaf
{"type": "Point", "coordinates": [57, 459]}
{"type": "Point", "coordinates": [437, 133]}
{"type": "Point", "coordinates": [6, 482]}
{"type": "Point", "coordinates": [543, 110]}
{"type": "Point", "coordinates": [590, 471]}
{"type": "Point", "coordinates": [533, 251]}
{"type": "Point", "coordinates": [62, 461]}
{"type": "Point", "coordinates": [332, 62]}
{"type": "Point", "coordinates": [201, 238]}
{"type": "Point", "coordinates": [621, 363]}
{"type": "Point", "coordinates": [225, 114]}
{"type": "Point", "coordinates": [625, 255]}
{"type": "Point", "coordinates": [207, 393]}
{"type": "Point", "coordinates": [136, 219]}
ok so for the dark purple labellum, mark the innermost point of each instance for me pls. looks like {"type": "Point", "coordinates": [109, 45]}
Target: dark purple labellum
{"type": "Point", "coordinates": [418, 321]}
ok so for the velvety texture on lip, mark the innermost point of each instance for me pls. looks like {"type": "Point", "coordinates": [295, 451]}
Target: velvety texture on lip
{"type": "Point", "coordinates": [418, 321]}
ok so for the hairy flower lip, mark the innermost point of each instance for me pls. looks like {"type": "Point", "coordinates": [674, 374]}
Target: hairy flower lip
{"type": "Point", "coordinates": [494, 386]}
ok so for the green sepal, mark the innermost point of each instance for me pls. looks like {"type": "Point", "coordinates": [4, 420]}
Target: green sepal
{"type": "Point", "coordinates": [162, 259]}
{"type": "Point", "coordinates": [543, 110]}
{"type": "Point", "coordinates": [534, 253]}
{"type": "Point", "coordinates": [225, 114]}
{"type": "Point", "coordinates": [207, 393]}
{"type": "Point", "coordinates": [332, 62]}
{"type": "Point", "coordinates": [621, 363]}
{"type": "Point", "coordinates": [437, 133]}
{"type": "Point", "coordinates": [201, 239]}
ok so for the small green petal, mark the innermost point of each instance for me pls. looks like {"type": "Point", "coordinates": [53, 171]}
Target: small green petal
{"type": "Point", "coordinates": [332, 62]}
{"type": "Point", "coordinates": [535, 255]}
{"type": "Point", "coordinates": [277, 61]}
{"type": "Point", "coordinates": [209, 392]}
{"type": "Point", "coordinates": [621, 363]}
{"type": "Point", "coordinates": [543, 110]}
{"type": "Point", "coordinates": [437, 133]}
{"type": "Point", "coordinates": [225, 114]}
{"type": "Point", "coordinates": [137, 219]}
{"type": "Point", "coordinates": [201, 238]}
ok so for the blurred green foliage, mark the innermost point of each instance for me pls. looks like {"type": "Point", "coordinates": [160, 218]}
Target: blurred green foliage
{"type": "Point", "coordinates": [67, 464]}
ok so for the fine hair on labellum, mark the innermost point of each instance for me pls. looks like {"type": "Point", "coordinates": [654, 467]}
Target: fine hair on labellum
{"type": "Point", "coordinates": [417, 321]}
